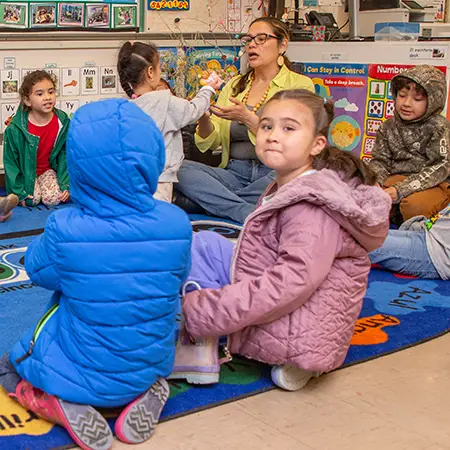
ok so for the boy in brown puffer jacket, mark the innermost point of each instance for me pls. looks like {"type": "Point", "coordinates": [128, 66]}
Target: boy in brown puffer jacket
{"type": "Point", "coordinates": [410, 156]}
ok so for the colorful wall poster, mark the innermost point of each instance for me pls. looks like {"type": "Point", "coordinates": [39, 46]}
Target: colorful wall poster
{"type": "Point", "coordinates": [224, 61]}
{"type": "Point", "coordinates": [14, 15]}
{"type": "Point", "coordinates": [10, 83]}
{"type": "Point", "coordinates": [168, 61]}
{"type": "Point", "coordinates": [42, 15]}
{"type": "Point", "coordinates": [97, 16]}
{"type": "Point", "coordinates": [169, 5]}
{"type": "Point", "coordinates": [70, 15]}
{"type": "Point", "coordinates": [124, 16]}
{"type": "Point", "coordinates": [379, 102]}
{"type": "Point", "coordinates": [346, 86]}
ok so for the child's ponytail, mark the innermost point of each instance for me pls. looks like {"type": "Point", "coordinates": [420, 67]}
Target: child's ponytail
{"type": "Point", "coordinates": [346, 164]}
{"type": "Point", "coordinates": [331, 158]}
{"type": "Point", "coordinates": [133, 62]}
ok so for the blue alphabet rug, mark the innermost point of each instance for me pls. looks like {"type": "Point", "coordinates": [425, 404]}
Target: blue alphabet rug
{"type": "Point", "coordinates": [398, 312]}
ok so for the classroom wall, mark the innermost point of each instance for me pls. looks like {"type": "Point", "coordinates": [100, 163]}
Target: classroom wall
{"type": "Point", "coordinates": [217, 16]}
{"type": "Point", "coordinates": [85, 70]}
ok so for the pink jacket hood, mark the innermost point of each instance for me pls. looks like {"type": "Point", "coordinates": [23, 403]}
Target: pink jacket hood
{"type": "Point", "coordinates": [361, 210]}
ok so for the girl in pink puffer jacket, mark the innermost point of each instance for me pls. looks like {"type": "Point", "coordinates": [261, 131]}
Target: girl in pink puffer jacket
{"type": "Point", "coordinates": [291, 289]}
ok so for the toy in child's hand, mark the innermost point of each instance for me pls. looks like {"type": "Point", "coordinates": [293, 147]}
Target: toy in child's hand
{"type": "Point", "coordinates": [210, 79]}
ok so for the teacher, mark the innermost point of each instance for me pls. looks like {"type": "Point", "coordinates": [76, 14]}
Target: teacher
{"type": "Point", "coordinates": [232, 190]}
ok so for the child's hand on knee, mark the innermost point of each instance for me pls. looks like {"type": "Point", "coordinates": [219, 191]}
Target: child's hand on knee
{"type": "Point", "coordinates": [392, 192]}
{"type": "Point", "coordinates": [65, 196]}
{"type": "Point", "coordinates": [23, 202]}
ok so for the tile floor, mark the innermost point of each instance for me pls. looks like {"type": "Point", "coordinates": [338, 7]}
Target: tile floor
{"type": "Point", "coordinates": [399, 402]}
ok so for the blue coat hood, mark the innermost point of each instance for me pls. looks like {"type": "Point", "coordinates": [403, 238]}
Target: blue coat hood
{"type": "Point", "coordinates": [116, 263]}
{"type": "Point", "coordinates": [115, 155]}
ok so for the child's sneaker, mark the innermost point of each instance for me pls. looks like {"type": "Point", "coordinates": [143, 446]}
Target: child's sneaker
{"type": "Point", "coordinates": [291, 378]}
{"type": "Point", "coordinates": [196, 360]}
{"type": "Point", "coordinates": [138, 420]}
{"type": "Point", "coordinates": [86, 426]}
{"type": "Point", "coordinates": [7, 204]}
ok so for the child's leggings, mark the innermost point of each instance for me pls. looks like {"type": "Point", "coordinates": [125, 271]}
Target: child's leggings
{"type": "Point", "coordinates": [211, 256]}
{"type": "Point", "coordinates": [164, 192]}
{"type": "Point", "coordinates": [46, 189]}
{"type": "Point", "coordinates": [9, 378]}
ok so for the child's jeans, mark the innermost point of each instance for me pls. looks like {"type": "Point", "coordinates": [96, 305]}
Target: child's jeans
{"type": "Point", "coordinates": [405, 252]}
{"type": "Point", "coordinates": [9, 379]}
{"type": "Point", "coordinates": [46, 189]}
{"type": "Point", "coordinates": [424, 203]}
{"type": "Point", "coordinates": [211, 256]}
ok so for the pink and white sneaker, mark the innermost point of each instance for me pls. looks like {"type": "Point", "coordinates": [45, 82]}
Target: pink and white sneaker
{"type": "Point", "coordinates": [196, 360]}
{"type": "Point", "coordinates": [137, 422]}
{"type": "Point", "coordinates": [86, 426]}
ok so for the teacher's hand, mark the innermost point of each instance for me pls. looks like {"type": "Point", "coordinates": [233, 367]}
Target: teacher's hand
{"type": "Point", "coordinates": [238, 111]}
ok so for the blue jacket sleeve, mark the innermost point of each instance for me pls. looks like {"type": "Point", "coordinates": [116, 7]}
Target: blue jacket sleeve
{"type": "Point", "coordinates": [40, 259]}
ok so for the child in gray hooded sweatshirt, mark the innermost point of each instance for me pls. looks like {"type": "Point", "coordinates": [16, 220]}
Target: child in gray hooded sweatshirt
{"type": "Point", "coordinates": [139, 73]}
{"type": "Point", "coordinates": [421, 247]}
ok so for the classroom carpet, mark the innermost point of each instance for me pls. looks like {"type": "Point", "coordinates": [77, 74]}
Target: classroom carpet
{"type": "Point", "coordinates": [398, 312]}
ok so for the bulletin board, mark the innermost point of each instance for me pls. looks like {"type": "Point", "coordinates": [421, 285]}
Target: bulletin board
{"type": "Point", "coordinates": [170, 17]}
{"type": "Point", "coordinates": [87, 15]}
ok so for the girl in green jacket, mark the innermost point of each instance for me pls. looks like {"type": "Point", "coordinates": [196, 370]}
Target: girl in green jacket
{"type": "Point", "coordinates": [35, 145]}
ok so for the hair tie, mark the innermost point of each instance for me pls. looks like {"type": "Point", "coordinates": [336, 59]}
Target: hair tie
{"type": "Point", "coordinates": [134, 96]}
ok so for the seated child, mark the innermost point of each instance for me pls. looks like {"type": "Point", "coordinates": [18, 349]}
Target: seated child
{"type": "Point", "coordinates": [421, 247]}
{"type": "Point", "coordinates": [35, 145]}
{"type": "Point", "coordinates": [290, 291]}
{"type": "Point", "coordinates": [410, 156]}
{"type": "Point", "coordinates": [116, 262]}
{"type": "Point", "coordinates": [140, 77]}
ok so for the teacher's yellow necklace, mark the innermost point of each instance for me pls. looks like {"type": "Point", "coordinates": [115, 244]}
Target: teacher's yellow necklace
{"type": "Point", "coordinates": [263, 98]}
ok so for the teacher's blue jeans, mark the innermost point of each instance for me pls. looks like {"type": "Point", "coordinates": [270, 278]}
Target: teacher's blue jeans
{"type": "Point", "coordinates": [231, 193]}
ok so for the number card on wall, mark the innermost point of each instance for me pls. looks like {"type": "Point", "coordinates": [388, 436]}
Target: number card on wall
{"type": "Point", "coordinates": [169, 5]}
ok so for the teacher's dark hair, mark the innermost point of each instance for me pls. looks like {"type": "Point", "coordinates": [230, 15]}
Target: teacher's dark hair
{"type": "Point", "coordinates": [280, 31]}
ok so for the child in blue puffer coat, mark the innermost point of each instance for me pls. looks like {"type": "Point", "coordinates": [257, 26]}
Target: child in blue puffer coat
{"type": "Point", "coordinates": [116, 262]}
